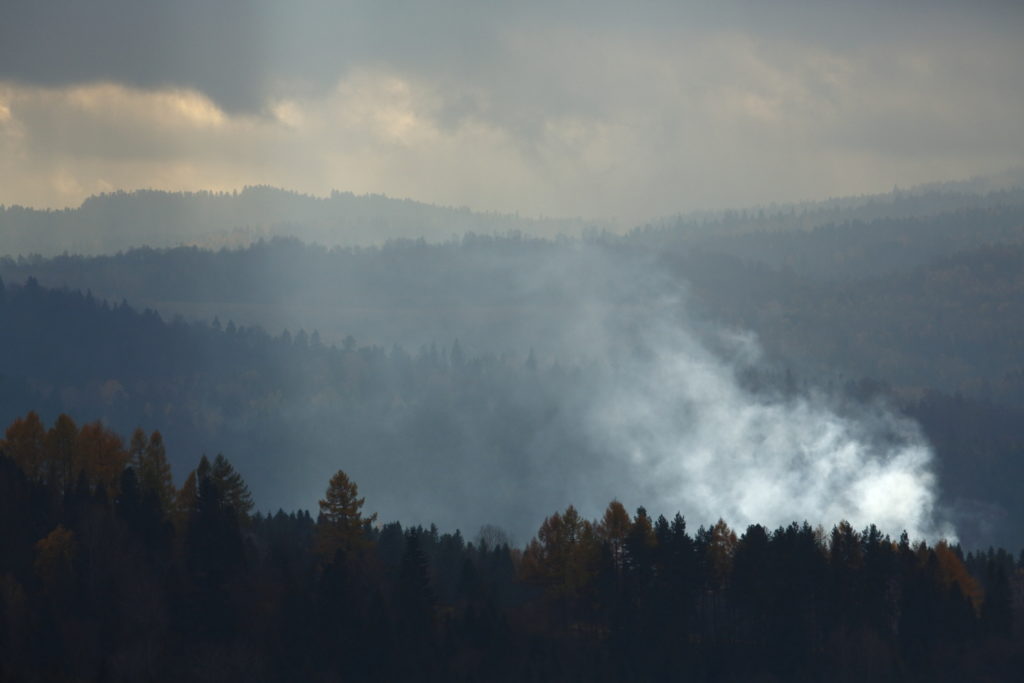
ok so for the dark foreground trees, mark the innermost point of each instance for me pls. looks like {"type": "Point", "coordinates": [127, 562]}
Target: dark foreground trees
{"type": "Point", "coordinates": [110, 572]}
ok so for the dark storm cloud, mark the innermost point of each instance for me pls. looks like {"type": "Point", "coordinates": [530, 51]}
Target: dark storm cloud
{"type": "Point", "coordinates": [597, 109]}
{"type": "Point", "coordinates": [218, 48]}
{"type": "Point", "coordinates": [237, 52]}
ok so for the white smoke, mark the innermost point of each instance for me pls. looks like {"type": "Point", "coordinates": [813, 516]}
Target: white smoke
{"type": "Point", "coordinates": [670, 422]}
{"type": "Point", "coordinates": [698, 441]}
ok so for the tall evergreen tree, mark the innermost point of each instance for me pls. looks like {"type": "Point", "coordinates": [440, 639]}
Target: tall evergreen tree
{"type": "Point", "coordinates": [341, 521]}
{"type": "Point", "coordinates": [154, 471]}
{"type": "Point", "coordinates": [234, 493]}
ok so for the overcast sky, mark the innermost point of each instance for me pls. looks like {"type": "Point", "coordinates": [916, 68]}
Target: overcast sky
{"type": "Point", "coordinates": [594, 109]}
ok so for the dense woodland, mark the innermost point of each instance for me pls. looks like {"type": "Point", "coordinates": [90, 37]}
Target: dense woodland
{"type": "Point", "coordinates": [920, 301]}
{"type": "Point", "coordinates": [448, 380]}
{"type": "Point", "coordinates": [111, 222]}
{"type": "Point", "coordinates": [110, 572]}
{"type": "Point", "coordinates": [292, 407]}
{"type": "Point", "coordinates": [451, 356]}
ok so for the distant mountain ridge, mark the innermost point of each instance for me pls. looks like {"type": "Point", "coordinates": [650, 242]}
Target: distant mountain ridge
{"type": "Point", "coordinates": [118, 221]}
{"type": "Point", "coordinates": [918, 202]}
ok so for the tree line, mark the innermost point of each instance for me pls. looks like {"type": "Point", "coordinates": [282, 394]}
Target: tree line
{"type": "Point", "coordinates": [109, 571]}
{"type": "Point", "coordinates": [407, 416]}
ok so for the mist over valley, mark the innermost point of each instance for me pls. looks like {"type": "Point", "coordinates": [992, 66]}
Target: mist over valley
{"type": "Point", "coordinates": [491, 377]}
{"type": "Point", "coordinates": [534, 341]}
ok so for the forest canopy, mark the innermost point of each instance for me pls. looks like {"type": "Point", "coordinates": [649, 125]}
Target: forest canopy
{"type": "Point", "coordinates": [92, 526]}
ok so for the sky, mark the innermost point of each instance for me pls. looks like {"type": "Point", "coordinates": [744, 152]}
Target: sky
{"type": "Point", "coordinates": [602, 110]}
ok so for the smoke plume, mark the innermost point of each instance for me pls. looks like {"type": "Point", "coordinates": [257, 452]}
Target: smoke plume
{"type": "Point", "coordinates": [674, 410]}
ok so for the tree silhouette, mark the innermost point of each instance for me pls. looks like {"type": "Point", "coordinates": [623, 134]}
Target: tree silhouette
{"type": "Point", "coordinates": [25, 442]}
{"type": "Point", "coordinates": [92, 586]}
{"type": "Point", "coordinates": [149, 457]}
{"type": "Point", "coordinates": [100, 455]}
{"type": "Point", "coordinates": [61, 454]}
{"type": "Point", "coordinates": [613, 529]}
{"type": "Point", "coordinates": [234, 494]}
{"type": "Point", "coordinates": [341, 523]}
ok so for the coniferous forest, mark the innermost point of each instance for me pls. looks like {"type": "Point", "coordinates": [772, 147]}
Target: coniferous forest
{"type": "Point", "coordinates": [189, 497]}
{"type": "Point", "coordinates": [347, 340]}
{"type": "Point", "coordinates": [112, 572]}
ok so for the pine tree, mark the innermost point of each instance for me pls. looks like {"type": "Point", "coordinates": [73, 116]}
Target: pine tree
{"type": "Point", "coordinates": [416, 596]}
{"type": "Point", "coordinates": [233, 491]}
{"type": "Point", "coordinates": [341, 522]}
{"type": "Point", "coordinates": [61, 454]}
{"type": "Point", "coordinates": [154, 472]}
{"type": "Point", "coordinates": [613, 529]}
{"type": "Point", "coordinates": [186, 501]}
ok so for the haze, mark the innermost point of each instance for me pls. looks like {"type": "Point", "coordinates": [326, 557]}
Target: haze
{"type": "Point", "coordinates": [597, 147]}
{"type": "Point", "coordinates": [575, 109]}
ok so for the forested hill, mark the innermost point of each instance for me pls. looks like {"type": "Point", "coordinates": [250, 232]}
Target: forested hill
{"type": "Point", "coordinates": [951, 323]}
{"type": "Point", "coordinates": [110, 571]}
{"type": "Point", "coordinates": [922, 308]}
{"type": "Point", "coordinates": [118, 221]}
{"type": "Point", "coordinates": [289, 409]}
{"type": "Point", "coordinates": [846, 248]}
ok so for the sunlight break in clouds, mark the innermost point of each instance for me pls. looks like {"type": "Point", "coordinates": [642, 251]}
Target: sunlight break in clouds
{"type": "Point", "coordinates": [610, 114]}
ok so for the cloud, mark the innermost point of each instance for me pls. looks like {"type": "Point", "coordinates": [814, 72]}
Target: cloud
{"type": "Point", "coordinates": [598, 111]}
{"type": "Point", "coordinates": [241, 53]}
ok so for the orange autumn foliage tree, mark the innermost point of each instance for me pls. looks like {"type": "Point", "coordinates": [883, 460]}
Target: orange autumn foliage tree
{"type": "Point", "coordinates": [340, 526]}
{"type": "Point", "coordinates": [101, 455]}
{"type": "Point", "coordinates": [613, 529]}
{"type": "Point", "coordinates": [59, 455]}
{"type": "Point", "coordinates": [563, 554]}
{"type": "Point", "coordinates": [952, 570]}
{"type": "Point", "coordinates": [720, 550]}
{"type": "Point", "coordinates": [641, 531]}
{"type": "Point", "coordinates": [25, 442]}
